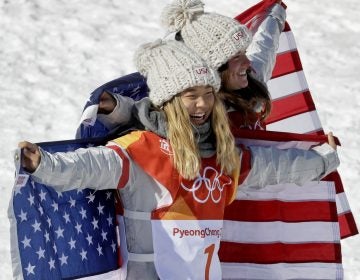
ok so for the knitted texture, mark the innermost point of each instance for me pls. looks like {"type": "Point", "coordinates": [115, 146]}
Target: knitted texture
{"type": "Point", "coordinates": [170, 67]}
{"type": "Point", "coordinates": [214, 37]}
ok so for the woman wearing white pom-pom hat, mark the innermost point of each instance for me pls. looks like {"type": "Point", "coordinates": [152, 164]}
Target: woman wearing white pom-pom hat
{"type": "Point", "coordinates": [175, 183]}
{"type": "Point", "coordinates": [244, 58]}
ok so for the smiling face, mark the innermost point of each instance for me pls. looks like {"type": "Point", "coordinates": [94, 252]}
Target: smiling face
{"type": "Point", "coordinates": [199, 103]}
{"type": "Point", "coordinates": [236, 76]}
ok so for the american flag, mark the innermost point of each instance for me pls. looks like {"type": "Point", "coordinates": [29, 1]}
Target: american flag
{"type": "Point", "coordinates": [62, 235]}
{"type": "Point", "coordinates": [284, 231]}
{"type": "Point", "coordinates": [280, 232]}
{"type": "Point", "coordinates": [294, 111]}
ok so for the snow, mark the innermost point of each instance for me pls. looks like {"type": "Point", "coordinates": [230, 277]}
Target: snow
{"type": "Point", "coordinates": [54, 53]}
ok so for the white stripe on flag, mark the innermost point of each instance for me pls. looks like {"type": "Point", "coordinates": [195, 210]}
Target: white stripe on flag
{"type": "Point", "coordinates": [312, 191]}
{"type": "Point", "coordinates": [303, 145]}
{"type": "Point", "coordinates": [270, 232]}
{"type": "Point", "coordinates": [342, 204]}
{"type": "Point", "coordinates": [252, 271]}
{"type": "Point", "coordinates": [89, 115]}
{"type": "Point", "coordinates": [286, 42]}
{"type": "Point", "coordinates": [288, 84]}
{"type": "Point", "coordinates": [303, 123]}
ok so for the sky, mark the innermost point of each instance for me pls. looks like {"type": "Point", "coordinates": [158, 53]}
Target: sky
{"type": "Point", "coordinates": [53, 53]}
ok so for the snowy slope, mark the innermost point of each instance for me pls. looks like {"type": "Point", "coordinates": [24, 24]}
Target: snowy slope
{"type": "Point", "coordinates": [54, 52]}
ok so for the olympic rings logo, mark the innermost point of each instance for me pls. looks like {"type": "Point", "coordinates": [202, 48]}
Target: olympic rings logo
{"type": "Point", "coordinates": [213, 188]}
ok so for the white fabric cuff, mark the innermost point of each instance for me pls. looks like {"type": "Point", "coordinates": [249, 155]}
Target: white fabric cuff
{"type": "Point", "coordinates": [277, 11]}
{"type": "Point", "coordinates": [330, 157]}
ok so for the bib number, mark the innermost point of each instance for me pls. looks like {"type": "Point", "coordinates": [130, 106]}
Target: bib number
{"type": "Point", "coordinates": [210, 251]}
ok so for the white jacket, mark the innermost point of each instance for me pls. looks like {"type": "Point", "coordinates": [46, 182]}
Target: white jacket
{"type": "Point", "coordinates": [102, 168]}
{"type": "Point", "coordinates": [262, 50]}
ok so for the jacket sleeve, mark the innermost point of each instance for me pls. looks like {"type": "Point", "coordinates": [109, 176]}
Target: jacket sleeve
{"type": "Point", "coordinates": [271, 166]}
{"type": "Point", "coordinates": [262, 51]}
{"type": "Point", "coordinates": [96, 168]}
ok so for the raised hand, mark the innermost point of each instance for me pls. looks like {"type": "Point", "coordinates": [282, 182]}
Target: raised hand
{"type": "Point", "coordinates": [107, 103]}
{"type": "Point", "coordinates": [331, 140]}
{"type": "Point", "coordinates": [31, 156]}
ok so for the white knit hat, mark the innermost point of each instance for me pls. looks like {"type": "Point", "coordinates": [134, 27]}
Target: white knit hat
{"type": "Point", "coordinates": [170, 67]}
{"type": "Point", "coordinates": [214, 37]}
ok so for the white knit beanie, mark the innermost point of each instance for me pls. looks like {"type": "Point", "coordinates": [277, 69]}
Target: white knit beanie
{"type": "Point", "coordinates": [170, 67]}
{"type": "Point", "coordinates": [214, 37]}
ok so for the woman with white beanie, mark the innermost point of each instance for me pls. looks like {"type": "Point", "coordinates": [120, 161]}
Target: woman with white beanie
{"type": "Point", "coordinates": [175, 182]}
{"type": "Point", "coordinates": [244, 57]}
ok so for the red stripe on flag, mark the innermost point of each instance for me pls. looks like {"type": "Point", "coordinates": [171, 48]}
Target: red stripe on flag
{"type": "Point", "coordinates": [347, 222]}
{"type": "Point", "coordinates": [318, 132]}
{"type": "Point", "coordinates": [280, 136]}
{"type": "Point", "coordinates": [290, 106]}
{"type": "Point", "coordinates": [286, 27]}
{"type": "Point", "coordinates": [347, 225]}
{"type": "Point", "coordinates": [279, 253]}
{"type": "Point", "coordinates": [335, 177]}
{"type": "Point", "coordinates": [287, 63]}
{"type": "Point", "coordinates": [275, 210]}
{"type": "Point", "coordinates": [255, 10]}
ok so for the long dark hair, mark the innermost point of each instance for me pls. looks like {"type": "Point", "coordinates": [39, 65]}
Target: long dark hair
{"type": "Point", "coordinates": [245, 99]}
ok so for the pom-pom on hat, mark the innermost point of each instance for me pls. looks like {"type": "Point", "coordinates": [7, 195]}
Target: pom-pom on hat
{"type": "Point", "coordinates": [170, 67]}
{"type": "Point", "coordinates": [214, 37]}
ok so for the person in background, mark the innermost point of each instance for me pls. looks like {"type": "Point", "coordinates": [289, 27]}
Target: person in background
{"type": "Point", "coordinates": [244, 57]}
{"type": "Point", "coordinates": [182, 173]}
